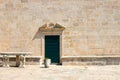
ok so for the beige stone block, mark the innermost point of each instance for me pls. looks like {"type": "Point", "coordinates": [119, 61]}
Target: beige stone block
{"type": "Point", "coordinates": [24, 1]}
{"type": "Point", "coordinates": [96, 51]}
{"type": "Point", "coordinates": [1, 1]}
{"type": "Point", "coordinates": [65, 20]}
{"type": "Point", "coordinates": [95, 42]}
{"type": "Point", "coordinates": [112, 51]}
{"type": "Point", "coordinates": [81, 52]}
{"type": "Point", "coordinates": [35, 1]}
{"type": "Point", "coordinates": [75, 24]}
{"type": "Point", "coordinates": [9, 5]}
{"type": "Point", "coordinates": [66, 32]}
{"type": "Point", "coordinates": [18, 6]}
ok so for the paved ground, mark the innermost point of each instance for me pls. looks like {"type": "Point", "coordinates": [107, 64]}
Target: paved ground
{"type": "Point", "coordinates": [61, 73]}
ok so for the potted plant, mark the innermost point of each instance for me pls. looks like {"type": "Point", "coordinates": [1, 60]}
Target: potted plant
{"type": "Point", "coordinates": [47, 62]}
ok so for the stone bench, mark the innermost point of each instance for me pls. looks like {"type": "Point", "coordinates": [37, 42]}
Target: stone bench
{"type": "Point", "coordinates": [20, 58]}
{"type": "Point", "coordinates": [29, 60]}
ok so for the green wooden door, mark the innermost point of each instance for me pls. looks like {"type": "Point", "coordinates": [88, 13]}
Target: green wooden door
{"type": "Point", "coordinates": [52, 48]}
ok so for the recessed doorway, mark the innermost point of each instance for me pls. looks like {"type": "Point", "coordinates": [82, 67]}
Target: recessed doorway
{"type": "Point", "coordinates": [52, 48]}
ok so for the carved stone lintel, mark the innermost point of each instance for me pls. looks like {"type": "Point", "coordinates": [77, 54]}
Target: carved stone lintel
{"type": "Point", "coordinates": [52, 27]}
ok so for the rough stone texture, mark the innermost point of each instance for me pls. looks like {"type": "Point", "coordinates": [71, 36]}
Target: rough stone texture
{"type": "Point", "coordinates": [28, 61]}
{"type": "Point", "coordinates": [61, 73]}
{"type": "Point", "coordinates": [91, 61]}
{"type": "Point", "coordinates": [92, 26]}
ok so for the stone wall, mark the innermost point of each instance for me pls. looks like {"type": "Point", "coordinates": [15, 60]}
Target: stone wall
{"type": "Point", "coordinates": [92, 26]}
{"type": "Point", "coordinates": [92, 60]}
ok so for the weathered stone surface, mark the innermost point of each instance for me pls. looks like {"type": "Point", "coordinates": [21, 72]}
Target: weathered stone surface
{"type": "Point", "coordinates": [91, 61]}
{"type": "Point", "coordinates": [91, 26]}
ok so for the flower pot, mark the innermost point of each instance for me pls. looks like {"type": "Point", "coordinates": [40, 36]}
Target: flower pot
{"type": "Point", "coordinates": [47, 63]}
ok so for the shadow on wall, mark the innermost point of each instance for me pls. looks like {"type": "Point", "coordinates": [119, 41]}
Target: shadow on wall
{"type": "Point", "coordinates": [51, 27]}
{"type": "Point", "coordinates": [38, 35]}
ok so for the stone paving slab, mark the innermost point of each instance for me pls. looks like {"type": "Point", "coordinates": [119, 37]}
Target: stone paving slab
{"type": "Point", "coordinates": [34, 72]}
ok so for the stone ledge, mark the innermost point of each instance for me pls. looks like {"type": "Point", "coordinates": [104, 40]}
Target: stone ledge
{"type": "Point", "coordinates": [33, 56]}
{"type": "Point", "coordinates": [34, 60]}
{"type": "Point", "coordinates": [25, 56]}
{"type": "Point", "coordinates": [91, 60]}
{"type": "Point", "coordinates": [90, 56]}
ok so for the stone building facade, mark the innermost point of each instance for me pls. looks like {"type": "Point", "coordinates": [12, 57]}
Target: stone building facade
{"type": "Point", "coordinates": [88, 31]}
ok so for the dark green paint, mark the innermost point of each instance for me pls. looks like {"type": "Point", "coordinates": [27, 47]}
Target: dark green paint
{"type": "Point", "coordinates": [52, 48]}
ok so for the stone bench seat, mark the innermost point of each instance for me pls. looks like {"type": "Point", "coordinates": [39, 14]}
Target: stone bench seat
{"type": "Point", "coordinates": [28, 59]}
{"type": "Point", "coordinates": [20, 58]}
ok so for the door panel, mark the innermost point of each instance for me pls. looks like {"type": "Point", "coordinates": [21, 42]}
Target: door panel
{"type": "Point", "coordinates": [52, 48]}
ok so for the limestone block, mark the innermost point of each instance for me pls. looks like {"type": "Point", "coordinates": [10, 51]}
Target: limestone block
{"type": "Point", "coordinates": [19, 6]}
{"type": "Point", "coordinates": [1, 1]}
{"type": "Point", "coordinates": [9, 5]}
{"type": "Point", "coordinates": [24, 1]}
{"type": "Point", "coordinates": [96, 51]}
{"type": "Point", "coordinates": [80, 51]}
{"type": "Point", "coordinates": [95, 44]}
{"type": "Point", "coordinates": [112, 51]}
{"type": "Point", "coordinates": [65, 20]}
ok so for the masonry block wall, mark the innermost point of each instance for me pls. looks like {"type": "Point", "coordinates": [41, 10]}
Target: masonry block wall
{"type": "Point", "coordinates": [92, 26]}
